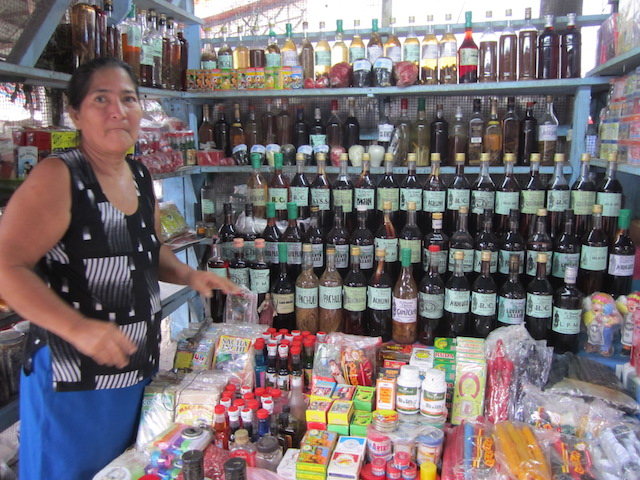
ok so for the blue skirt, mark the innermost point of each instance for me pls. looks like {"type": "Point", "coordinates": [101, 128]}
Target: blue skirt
{"type": "Point", "coordinates": [72, 435]}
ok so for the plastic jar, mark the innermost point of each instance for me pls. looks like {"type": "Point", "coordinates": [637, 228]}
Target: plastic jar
{"type": "Point", "coordinates": [408, 392]}
{"type": "Point", "coordinates": [385, 421]}
{"type": "Point", "coordinates": [269, 453]}
{"type": "Point", "coordinates": [378, 444]}
{"type": "Point", "coordinates": [430, 446]}
{"type": "Point", "coordinates": [434, 392]}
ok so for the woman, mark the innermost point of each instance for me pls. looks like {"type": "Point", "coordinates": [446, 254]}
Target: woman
{"type": "Point", "coordinates": [80, 257]}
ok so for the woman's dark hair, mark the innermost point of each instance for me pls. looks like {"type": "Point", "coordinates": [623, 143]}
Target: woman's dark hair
{"type": "Point", "coordinates": [81, 79]}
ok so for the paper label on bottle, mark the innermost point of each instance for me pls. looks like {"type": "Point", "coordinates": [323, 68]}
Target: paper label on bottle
{"type": "Point", "coordinates": [430, 51]}
{"type": "Point", "coordinates": [468, 57]}
{"type": "Point", "coordinates": [317, 140]}
{"type": "Point", "coordinates": [279, 196]}
{"type": "Point", "coordinates": [410, 195]}
{"type": "Point", "coordinates": [366, 256]}
{"type": "Point", "coordinates": [257, 148]}
{"type": "Point", "coordinates": [456, 301]}
{"type": "Point", "coordinates": [156, 51]}
{"type": "Point", "coordinates": [431, 305]}
{"type": "Point", "coordinates": [412, 52]}
{"type": "Point", "coordinates": [342, 256]}
{"type": "Point", "coordinates": [389, 195]}
{"type": "Point", "coordinates": [563, 260]}
{"type": "Point", "coordinates": [283, 302]}
{"type": "Point", "coordinates": [390, 246]}
{"type": "Point", "coordinates": [317, 253]}
{"type": "Point", "coordinates": [219, 271]}
{"type": "Point", "coordinates": [271, 252]}
{"type": "Point", "coordinates": [134, 36]}
{"type": "Point", "coordinates": [146, 55]}
{"type": "Point", "coordinates": [532, 262]}
{"type": "Point", "coordinates": [408, 399]}
{"type": "Point", "coordinates": [307, 297]}
{"type": "Point", "coordinates": [300, 196]}
{"type": "Point", "coordinates": [272, 59]}
{"type": "Point", "coordinates": [582, 202]}
{"type": "Point", "coordinates": [477, 262]}
{"type": "Point", "coordinates": [511, 310]}
{"type": "Point", "coordinates": [611, 203]}
{"type": "Point", "coordinates": [539, 306]}
{"type": "Point", "coordinates": [394, 53]}
{"type": "Point", "coordinates": [483, 304]}
{"type": "Point", "coordinates": [593, 258]}
{"type": "Point", "coordinates": [621, 265]}
{"type": "Point", "coordinates": [442, 260]}
{"type": "Point", "coordinates": [566, 321]}
{"type": "Point", "coordinates": [239, 148]}
{"type": "Point", "coordinates": [532, 200]}
{"type": "Point", "coordinates": [365, 197]}
{"type": "Point", "coordinates": [305, 149]}
{"type": "Point", "coordinates": [379, 298]}
{"type": "Point", "coordinates": [458, 197]}
{"type": "Point", "coordinates": [374, 52]}
{"type": "Point", "coordinates": [481, 200]}
{"type": "Point", "coordinates": [258, 197]}
{"type": "Point", "coordinates": [548, 133]}
{"type": "Point", "coordinates": [208, 207]}
{"type": "Point", "coordinates": [343, 198]}
{"type": "Point", "coordinates": [294, 253]}
{"type": "Point", "coordinates": [321, 197]}
{"type": "Point", "coordinates": [434, 201]}
{"type": "Point", "coordinates": [290, 58]}
{"type": "Point", "coordinates": [503, 261]}
{"type": "Point", "coordinates": [355, 299]}
{"type": "Point", "coordinates": [225, 61]}
{"type": "Point", "coordinates": [226, 250]}
{"type": "Point", "coordinates": [404, 310]}
{"type": "Point", "coordinates": [330, 298]}
{"type": "Point", "coordinates": [209, 65]}
{"type": "Point", "coordinates": [356, 53]}
{"type": "Point", "coordinates": [323, 58]}
{"type": "Point", "coordinates": [506, 201]}
{"type": "Point", "coordinates": [239, 276]}
{"type": "Point", "coordinates": [558, 200]}
{"type": "Point", "coordinates": [385, 130]}
{"type": "Point", "coordinates": [415, 246]}
{"type": "Point", "coordinates": [467, 262]}
{"type": "Point", "coordinates": [259, 280]}
{"type": "Point", "coordinates": [249, 250]}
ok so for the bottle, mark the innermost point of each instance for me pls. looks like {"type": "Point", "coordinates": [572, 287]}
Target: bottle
{"type": "Point", "coordinates": [241, 52]}
{"type": "Point", "coordinates": [548, 134]}
{"type": "Point", "coordinates": [527, 49]}
{"type": "Point", "coordinates": [483, 194]}
{"type": "Point", "coordinates": [405, 303]}
{"type": "Point", "coordinates": [146, 55]}
{"type": "Point", "coordinates": [379, 300]}
{"type": "Point", "coordinates": [351, 134]}
{"type": "Point", "coordinates": [570, 49]}
{"type": "Point", "coordinates": [492, 139]}
{"type": "Point", "coordinates": [279, 188]}
{"type": "Point", "coordinates": [539, 309]}
{"type": "Point", "coordinates": [317, 132]}
{"type": "Point", "coordinates": [457, 299]}
{"type": "Point", "coordinates": [306, 53]}
{"type": "Point", "coordinates": [488, 53]}
{"type": "Point", "coordinates": [131, 39]}
{"type": "Point", "coordinates": [307, 363]}
{"type": "Point", "coordinates": [268, 124]}
{"type": "Point", "coordinates": [292, 236]}
{"type": "Point", "coordinates": [458, 195]}
{"type": "Point", "coordinates": [385, 127]}
{"type": "Point", "coordinates": [539, 241]}
{"type": "Point", "coordinates": [155, 42]}
{"type": "Point", "coordinates": [330, 296]}
{"type": "Point", "coordinates": [259, 273]}
{"type": "Point", "coordinates": [257, 49]}
{"type": "Point", "coordinates": [462, 241]}
{"type": "Point", "coordinates": [365, 193]}
{"type": "Point", "coordinates": [284, 128]}
{"type": "Point", "coordinates": [420, 136]}
{"type": "Point", "coordinates": [448, 57]}
{"type": "Point", "coordinates": [227, 233]}
{"type": "Point", "coordinates": [338, 239]}
{"type": "Point", "coordinates": [434, 192]}
{"type": "Point", "coordinates": [622, 255]}
{"type": "Point", "coordinates": [217, 265]}
{"type": "Point", "coordinates": [410, 191]}
{"type": "Point", "coordinates": [548, 51]}
{"type": "Point", "coordinates": [175, 56]}
{"type": "Point", "coordinates": [440, 135]}
{"type": "Point", "coordinates": [322, 54]}
{"type": "Point", "coordinates": [609, 195]}
{"type": "Point", "coordinates": [401, 136]}
{"type": "Point", "coordinates": [374, 47]}
{"type": "Point", "coordinates": [364, 239]}
{"type": "Point", "coordinates": [593, 255]}
{"type": "Point", "coordinates": [221, 132]}
{"type": "Point", "coordinates": [113, 41]}
{"type": "Point", "coordinates": [300, 188]}
{"type": "Point", "coordinates": [320, 191]}
{"type": "Point", "coordinates": [507, 195]}
{"type": "Point", "coordinates": [273, 56]}
{"type": "Point", "coordinates": [558, 196]}
{"type": "Point", "coordinates": [438, 238]}
{"type": "Point", "coordinates": [289, 52]}
{"type": "Point", "coordinates": [357, 50]}
{"type": "Point", "coordinates": [184, 58]}
{"type": "Point", "coordinates": [283, 294]}
{"type": "Point", "coordinates": [339, 51]}
{"type": "Point", "coordinates": [243, 448]}
{"type": "Point", "coordinates": [234, 422]}
{"type": "Point", "coordinates": [486, 241]}
{"type": "Point", "coordinates": [583, 197]}
{"type": "Point", "coordinates": [532, 198]}
{"type": "Point", "coordinates": [272, 237]}
{"type": "Point", "coordinates": [392, 47]}
{"type": "Point", "coordinates": [411, 46]}
{"type": "Point", "coordinates": [225, 53]}
{"type": "Point", "coordinates": [238, 268]}
{"type": "Point", "coordinates": [334, 127]}
{"type": "Point", "coordinates": [411, 238]}
{"type": "Point", "coordinates": [236, 131]}
{"type": "Point", "coordinates": [387, 239]}
{"type": "Point", "coordinates": [408, 393]}
{"type": "Point", "coordinates": [468, 54]}
{"type": "Point", "coordinates": [271, 375]}
{"type": "Point", "coordinates": [205, 130]}
{"type": "Point", "coordinates": [283, 375]}
{"type": "Point", "coordinates": [220, 427]}
{"type": "Point", "coordinates": [314, 236]}
{"type": "Point", "coordinates": [476, 133]}
{"type": "Point", "coordinates": [484, 299]}
{"type": "Point", "coordinates": [510, 128]}
{"type": "Point", "coordinates": [528, 142]}
{"type": "Point", "coordinates": [388, 189]}
{"type": "Point", "coordinates": [207, 200]}
{"type": "Point", "coordinates": [430, 51]}
{"type": "Point", "coordinates": [508, 52]}
{"type": "Point", "coordinates": [343, 193]}
{"type": "Point", "coordinates": [431, 298]}
{"type": "Point", "coordinates": [249, 234]}
{"type": "Point", "coordinates": [511, 243]}
{"type": "Point", "coordinates": [512, 297]}
{"type": "Point", "coordinates": [459, 138]}
{"type": "Point", "coordinates": [567, 315]}
{"type": "Point", "coordinates": [355, 297]}
{"type": "Point", "coordinates": [566, 251]}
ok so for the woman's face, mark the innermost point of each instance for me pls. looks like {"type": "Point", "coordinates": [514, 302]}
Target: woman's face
{"type": "Point", "coordinates": [109, 116]}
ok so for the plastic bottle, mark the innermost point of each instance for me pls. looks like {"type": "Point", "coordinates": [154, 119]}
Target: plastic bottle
{"type": "Point", "coordinates": [243, 448]}
{"type": "Point", "coordinates": [434, 390]}
{"type": "Point", "coordinates": [408, 393]}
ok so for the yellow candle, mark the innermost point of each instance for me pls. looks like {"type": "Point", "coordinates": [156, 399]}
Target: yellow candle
{"type": "Point", "coordinates": [428, 471]}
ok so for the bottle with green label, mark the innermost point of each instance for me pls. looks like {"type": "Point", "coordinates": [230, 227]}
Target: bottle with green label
{"type": "Point", "coordinates": [363, 238]}
{"type": "Point", "coordinates": [512, 297]}
{"type": "Point", "coordinates": [593, 255]}
{"type": "Point", "coordinates": [436, 237]}
{"type": "Point", "coordinates": [507, 195]}
{"type": "Point", "coordinates": [566, 251]}
{"type": "Point", "coordinates": [217, 265]}
{"type": "Point", "coordinates": [279, 188]}
{"type": "Point", "coordinates": [259, 275]}
{"type": "Point", "coordinates": [558, 196]}
{"type": "Point", "coordinates": [583, 196]}
{"type": "Point", "coordinates": [458, 195]}
{"type": "Point", "coordinates": [330, 296]}
{"type": "Point", "coordinates": [538, 242]}
{"type": "Point", "coordinates": [622, 255]}
{"type": "Point", "coordinates": [538, 310]}
{"type": "Point", "coordinates": [532, 197]}
{"type": "Point", "coordinates": [431, 299]}
{"type": "Point", "coordinates": [567, 315]}
{"type": "Point", "coordinates": [257, 188]}
{"type": "Point", "coordinates": [365, 192]}
{"type": "Point", "coordinates": [283, 294]}
{"type": "Point", "coordinates": [379, 293]}
{"type": "Point", "coordinates": [483, 195]}
{"type": "Point", "coordinates": [457, 300]}
{"type": "Point", "coordinates": [238, 268]}
{"type": "Point", "coordinates": [410, 190]}
{"type": "Point", "coordinates": [227, 233]}
{"type": "Point", "coordinates": [315, 236]}
{"type": "Point", "coordinates": [388, 190]}
{"type": "Point", "coordinates": [486, 241]}
{"type": "Point", "coordinates": [354, 299]}
{"type": "Point", "coordinates": [511, 243]}
{"type": "Point", "coordinates": [300, 188]}
{"type": "Point", "coordinates": [387, 238]}
{"type": "Point", "coordinates": [609, 195]}
{"type": "Point", "coordinates": [307, 293]}
{"type": "Point", "coordinates": [338, 239]}
{"type": "Point", "coordinates": [434, 194]}
{"type": "Point", "coordinates": [405, 303]}
{"type": "Point", "coordinates": [462, 241]}
{"type": "Point", "coordinates": [272, 237]}
{"type": "Point", "coordinates": [321, 193]}
{"type": "Point", "coordinates": [292, 236]}
{"type": "Point", "coordinates": [342, 191]}
{"type": "Point", "coordinates": [484, 299]}
{"type": "Point", "coordinates": [411, 238]}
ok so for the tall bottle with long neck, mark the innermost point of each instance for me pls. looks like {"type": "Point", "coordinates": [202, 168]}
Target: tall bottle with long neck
{"type": "Point", "coordinates": [334, 127]}
{"type": "Point", "coordinates": [528, 137]}
{"type": "Point", "coordinates": [558, 196]}
{"type": "Point", "coordinates": [508, 52]}
{"type": "Point", "coordinates": [388, 189]}
{"type": "Point", "coordinates": [457, 300]}
{"type": "Point", "coordinates": [227, 233]}
{"type": "Point", "coordinates": [566, 250]}
{"type": "Point", "coordinates": [476, 133]}
{"type": "Point", "coordinates": [357, 50]}
{"type": "Point", "coordinates": [567, 315]}
{"type": "Point", "coordinates": [548, 51]}
{"type": "Point", "coordinates": [512, 297]}
{"type": "Point", "coordinates": [273, 56]}
{"type": "Point", "coordinates": [392, 47]}
{"type": "Point", "coordinates": [307, 293]}
{"type": "Point", "coordinates": [322, 54]}
{"type": "Point", "coordinates": [468, 54]}
{"type": "Point", "coordinates": [283, 294]}
{"type": "Point", "coordinates": [300, 129]}
{"type": "Point", "coordinates": [257, 50]}
{"type": "Point", "coordinates": [411, 238]}
{"type": "Point", "coordinates": [405, 303]}
{"type": "Point", "coordinates": [448, 55]}
{"type": "Point", "coordinates": [238, 267]}
{"type": "Point", "coordinates": [539, 308]}
{"type": "Point", "coordinates": [570, 49]}
{"type": "Point", "coordinates": [507, 195]}
{"type": "Point", "coordinates": [306, 53]}
{"type": "Point", "coordinates": [410, 190]}
{"type": "Point", "coordinates": [364, 194]}
{"type": "Point", "coordinates": [622, 255]}
{"type": "Point", "coordinates": [355, 297]}
{"type": "Point", "coordinates": [314, 235]}
{"type": "Point", "coordinates": [146, 54]}
{"type": "Point", "coordinates": [330, 297]}
{"type": "Point", "coordinates": [527, 49]}
{"type": "Point", "coordinates": [279, 188]}
{"type": "Point", "coordinates": [548, 134]}
{"type": "Point", "coordinates": [532, 198]}
{"type": "Point", "coordinates": [493, 136]}
{"type": "Point", "coordinates": [459, 137]}
{"type": "Point", "coordinates": [320, 191]}
{"type": "Point", "coordinates": [458, 195]}
{"type": "Point", "coordinates": [272, 237]}
{"type": "Point", "coordinates": [351, 134]}
{"type": "Point", "coordinates": [420, 136]}
{"type": "Point", "coordinates": [300, 188]}
{"type": "Point", "coordinates": [401, 136]}
{"type": "Point", "coordinates": [593, 255]}
{"type": "Point", "coordinates": [430, 51]}
{"type": "Point", "coordinates": [539, 241]}
{"type": "Point", "coordinates": [217, 265]}
{"type": "Point", "coordinates": [292, 236]}
{"type": "Point", "coordinates": [440, 135]}
{"type": "Point", "coordinates": [364, 239]}
{"type": "Point", "coordinates": [438, 238]}
{"type": "Point", "coordinates": [511, 243]}
{"type": "Point", "coordinates": [583, 196]}
{"type": "Point", "coordinates": [289, 51]}
{"type": "Point", "coordinates": [430, 299]}
{"type": "Point", "coordinates": [268, 123]}
{"type": "Point", "coordinates": [339, 50]}
{"type": "Point", "coordinates": [375, 47]}
{"type": "Point", "coordinates": [283, 124]}
{"type": "Point", "coordinates": [259, 274]}
{"type": "Point", "coordinates": [483, 194]}
{"type": "Point", "coordinates": [609, 195]}
{"type": "Point", "coordinates": [488, 53]}
{"type": "Point", "coordinates": [387, 239]}
{"type": "Point", "coordinates": [484, 300]}
{"type": "Point", "coordinates": [379, 293]}
{"type": "Point", "coordinates": [462, 241]}
{"type": "Point", "coordinates": [486, 241]}
{"type": "Point", "coordinates": [241, 52]}
{"type": "Point", "coordinates": [510, 129]}
{"type": "Point", "coordinates": [411, 46]}
{"type": "Point", "coordinates": [434, 193]}
{"type": "Point", "coordinates": [318, 132]}
{"type": "Point", "coordinates": [338, 239]}
{"type": "Point", "coordinates": [225, 52]}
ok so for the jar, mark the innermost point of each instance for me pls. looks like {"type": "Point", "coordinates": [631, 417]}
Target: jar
{"type": "Point", "coordinates": [10, 360]}
{"type": "Point", "coordinates": [378, 444]}
{"type": "Point", "coordinates": [408, 391]}
{"type": "Point", "coordinates": [434, 392]}
{"type": "Point", "coordinates": [430, 446]}
{"type": "Point", "coordinates": [269, 453]}
{"type": "Point", "coordinates": [235, 469]}
{"type": "Point", "coordinates": [385, 421]}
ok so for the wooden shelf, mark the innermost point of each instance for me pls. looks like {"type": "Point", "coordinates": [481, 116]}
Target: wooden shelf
{"type": "Point", "coordinates": [619, 65]}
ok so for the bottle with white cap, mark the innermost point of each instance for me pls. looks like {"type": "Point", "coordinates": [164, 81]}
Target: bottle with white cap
{"type": "Point", "coordinates": [408, 392]}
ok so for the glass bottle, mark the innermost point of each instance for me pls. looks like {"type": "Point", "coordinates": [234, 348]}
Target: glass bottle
{"type": "Point", "coordinates": [622, 255]}
{"type": "Point", "coordinates": [289, 52]}
{"type": "Point", "coordinates": [184, 58]}
{"type": "Point", "coordinates": [322, 54]}
{"type": "Point", "coordinates": [306, 53]}
{"type": "Point", "coordinates": [434, 193]}
{"type": "Point", "coordinates": [609, 195]}
{"type": "Point", "coordinates": [570, 49]}
{"type": "Point", "coordinates": [539, 241]}
{"type": "Point", "coordinates": [527, 49]}
{"type": "Point", "coordinates": [385, 126]}
{"type": "Point", "coordinates": [279, 188]}
{"type": "Point", "coordinates": [339, 50]}
{"type": "Point", "coordinates": [363, 238]}
{"type": "Point", "coordinates": [236, 130]}
{"type": "Point", "coordinates": [387, 239]}
{"type": "Point", "coordinates": [249, 234]}
{"type": "Point", "coordinates": [430, 299]}
{"type": "Point", "coordinates": [440, 135]}
{"type": "Point", "coordinates": [146, 55]}
{"type": "Point", "coordinates": [420, 136]}
{"type": "Point", "coordinates": [273, 56]}
{"type": "Point", "coordinates": [548, 134]}
{"type": "Point", "coordinates": [593, 255]}
{"type": "Point", "coordinates": [488, 53]}
{"type": "Point", "coordinates": [410, 191]}
{"type": "Point", "coordinates": [330, 296]}
{"type": "Point", "coordinates": [357, 50]}
{"type": "Point", "coordinates": [458, 195]}
{"type": "Point", "coordinates": [342, 191]}
{"type": "Point", "coordinates": [468, 55]}
{"type": "Point", "coordinates": [392, 47]}
{"type": "Point", "coordinates": [259, 274]}
{"type": "Point", "coordinates": [405, 304]}
{"type": "Point", "coordinates": [510, 128]}
{"type": "Point", "coordinates": [243, 448]}
{"type": "Point", "coordinates": [448, 56]}
{"type": "Point", "coordinates": [388, 189]}
{"type": "Point", "coordinates": [207, 200]}
{"type": "Point", "coordinates": [511, 243]}
{"type": "Point", "coordinates": [221, 132]}
{"type": "Point", "coordinates": [374, 47]}
{"type": "Point", "coordinates": [268, 123]}
{"type": "Point", "coordinates": [438, 238]}
{"type": "Point", "coordinates": [257, 49]}
{"type": "Point", "coordinates": [459, 138]}
{"type": "Point", "coordinates": [476, 133]}
{"type": "Point", "coordinates": [528, 144]}
{"type": "Point", "coordinates": [483, 194]}
{"type": "Point", "coordinates": [300, 129]}
{"type": "Point", "coordinates": [457, 299]}
{"type": "Point", "coordinates": [299, 188]}
{"type": "Point", "coordinates": [512, 297]}
{"type": "Point", "coordinates": [155, 38]}
{"type": "Point", "coordinates": [508, 52]}
{"type": "Point", "coordinates": [365, 192]}
{"type": "Point", "coordinates": [338, 239]}
{"type": "Point", "coordinates": [411, 238]}
{"type": "Point", "coordinates": [317, 132]}
{"type": "Point", "coordinates": [539, 308]}
{"type": "Point", "coordinates": [334, 127]}
{"type": "Point", "coordinates": [175, 56]}
{"type": "Point", "coordinates": [401, 136]}
{"type": "Point", "coordinates": [227, 233]}
{"type": "Point", "coordinates": [292, 236]}
{"type": "Point", "coordinates": [462, 241]}
{"type": "Point", "coordinates": [379, 293]}
{"type": "Point", "coordinates": [241, 52]}
{"type": "Point", "coordinates": [238, 267]}
{"type": "Point", "coordinates": [507, 195]}
{"type": "Point", "coordinates": [315, 237]}
{"type": "Point", "coordinates": [566, 250]}
{"type": "Point", "coordinates": [225, 52]}
{"type": "Point", "coordinates": [411, 46]}
{"type": "Point", "coordinates": [492, 140]}
{"type": "Point", "coordinates": [532, 197]}
{"type": "Point", "coordinates": [583, 197]}
{"type": "Point", "coordinates": [355, 297]}
{"type": "Point", "coordinates": [114, 39]}
{"type": "Point", "coordinates": [221, 428]}
{"type": "Point", "coordinates": [558, 195]}
{"type": "Point", "coordinates": [284, 124]}
{"type": "Point", "coordinates": [548, 51]}
{"type": "Point", "coordinates": [484, 300]}
{"type": "Point", "coordinates": [205, 130]}
{"type": "Point", "coordinates": [131, 39]}
{"type": "Point", "coordinates": [486, 240]}
{"type": "Point", "coordinates": [307, 293]}
{"type": "Point", "coordinates": [272, 237]}
{"type": "Point", "coordinates": [320, 191]}
{"type": "Point", "coordinates": [567, 315]}
{"type": "Point", "coordinates": [216, 264]}
{"type": "Point", "coordinates": [283, 294]}
{"type": "Point", "coordinates": [430, 51]}
{"type": "Point", "coordinates": [351, 134]}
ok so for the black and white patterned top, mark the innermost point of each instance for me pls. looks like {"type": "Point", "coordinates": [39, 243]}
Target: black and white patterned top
{"type": "Point", "coordinates": [105, 266]}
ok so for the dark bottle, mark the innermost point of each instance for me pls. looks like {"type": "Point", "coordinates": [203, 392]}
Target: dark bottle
{"type": "Point", "coordinates": [388, 190]}
{"type": "Point", "coordinates": [330, 297]}
{"type": "Point", "coordinates": [236, 131]}
{"type": "Point", "coordinates": [468, 54]}
{"type": "Point", "coordinates": [438, 238]}
{"type": "Point", "coordinates": [321, 193]}
{"type": "Point", "coordinates": [457, 300]}
{"type": "Point", "coordinates": [411, 238]}
{"type": "Point", "coordinates": [259, 275]}
{"type": "Point", "coordinates": [283, 369]}
{"type": "Point", "coordinates": [539, 241]}
{"type": "Point", "coordinates": [284, 130]}
{"type": "Point", "coordinates": [410, 190]}
{"type": "Point", "coordinates": [420, 135]}
{"type": "Point", "coordinates": [539, 301]}
{"type": "Point", "coordinates": [208, 200]}
{"type": "Point", "coordinates": [558, 196]}
{"type": "Point", "coordinates": [364, 194]}
{"type": "Point", "coordinates": [387, 239]}
{"type": "Point", "coordinates": [238, 267]}
{"type": "Point", "coordinates": [510, 129]}
{"type": "Point", "coordinates": [221, 132]}
{"type": "Point", "coordinates": [300, 129]}
{"type": "Point", "coordinates": [251, 128]}
{"type": "Point", "coordinates": [570, 49]}
{"type": "Point", "coordinates": [430, 299]}
{"type": "Point", "coordinates": [249, 233]}
{"type": "Point", "coordinates": [338, 239]}
{"type": "Point", "coordinates": [458, 195]}
{"type": "Point", "coordinates": [257, 187]}
{"type": "Point", "coordinates": [227, 233]}
{"type": "Point", "coordinates": [351, 134]}
{"type": "Point", "coordinates": [315, 236]}
{"type": "Point", "coordinates": [512, 297]}
{"type": "Point", "coordinates": [317, 131]}
{"type": "Point", "coordinates": [532, 198]}
{"type": "Point", "coordinates": [459, 138]}
{"type": "Point", "coordinates": [434, 194]}
{"type": "Point", "coordinates": [363, 238]}
{"type": "Point", "coordinates": [484, 300]}
{"type": "Point", "coordinates": [342, 191]}
{"type": "Point", "coordinates": [593, 256]}
{"type": "Point", "coordinates": [440, 134]}
{"type": "Point", "coordinates": [492, 140]}
{"type": "Point", "coordinates": [507, 195]}
{"type": "Point", "coordinates": [257, 58]}
{"type": "Point", "coordinates": [279, 188]}
{"type": "Point", "coordinates": [622, 255]}
{"type": "Point", "coordinates": [268, 124]}
{"type": "Point", "coordinates": [299, 188]}
{"type": "Point", "coordinates": [379, 300]}
{"type": "Point", "coordinates": [334, 127]}
{"type": "Point", "coordinates": [528, 142]}
{"type": "Point", "coordinates": [548, 51]}
{"type": "Point", "coordinates": [354, 300]}
{"type": "Point", "coordinates": [486, 241]}
{"type": "Point", "coordinates": [292, 236]}
{"type": "Point", "coordinates": [609, 195]}
{"type": "Point", "coordinates": [511, 243]}
{"type": "Point", "coordinates": [462, 241]}
{"type": "Point", "coordinates": [476, 133]}
{"type": "Point", "coordinates": [385, 126]}
{"type": "Point", "coordinates": [271, 374]}
{"type": "Point", "coordinates": [206, 137]}
{"type": "Point", "coordinates": [483, 195]}
{"type": "Point", "coordinates": [567, 315]}
{"type": "Point", "coordinates": [283, 294]}
{"type": "Point", "coordinates": [583, 197]}
{"type": "Point", "coordinates": [566, 251]}
{"type": "Point", "coordinates": [272, 237]}
{"type": "Point", "coordinates": [216, 264]}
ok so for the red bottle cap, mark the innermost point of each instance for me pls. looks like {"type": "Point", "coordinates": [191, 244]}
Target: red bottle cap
{"type": "Point", "coordinates": [238, 402]}
{"type": "Point", "coordinates": [307, 342]}
{"type": "Point", "coordinates": [230, 387]}
{"type": "Point", "coordinates": [263, 414]}
{"type": "Point", "coordinates": [233, 409]}
{"type": "Point", "coordinates": [271, 330]}
{"type": "Point", "coordinates": [259, 391]}
{"type": "Point", "coordinates": [276, 393]}
{"type": "Point", "coordinates": [312, 337]}
{"type": "Point", "coordinates": [283, 331]}
{"type": "Point", "coordinates": [296, 333]}
{"type": "Point", "coordinates": [253, 404]}
{"type": "Point", "coordinates": [249, 396]}
{"type": "Point", "coordinates": [219, 410]}
{"type": "Point", "coordinates": [306, 333]}
{"type": "Point", "coordinates": [295, 350]}
{"type": "Point", "coordinates": [434, 248]}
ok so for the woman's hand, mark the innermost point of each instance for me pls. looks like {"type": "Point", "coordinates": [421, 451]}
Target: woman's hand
{"type": "Point", "coordinates": [102, 341]}
{"type": "Point", "coordinates": [203, 282]}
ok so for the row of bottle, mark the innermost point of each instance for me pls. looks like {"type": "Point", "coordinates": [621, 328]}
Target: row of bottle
{"type": "Point", "coordinates": [512, 56]}
{"type": "Point", "coordinates": [496, 136]}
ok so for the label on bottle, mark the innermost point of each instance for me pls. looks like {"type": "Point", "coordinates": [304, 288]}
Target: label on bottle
{"type": "Point", "coordinates": [481, 200]}
{"type": "Point", "coordinates": [146, 55]}
{"type": "Point", "coordinates": [258, 197]}
{"type": "Point", "coordinates": [431, 305]}
{"type": "Point", "coordinates": [239, 148]}
{"type": "Point", "coordinates": [611, 203]}
{"type": "Point", "coordinates": [330, 297]}
{"type": "Point", "coordinates": [442, 259]}
{"type": "Point", "coordinates": [294, 253]}
{"type": "Point", "coordinates": [323, 58]}
{"type": "Point", "coordinates": [290, 58]}
{"type": "Point", "coordinates": [307, 297]}
{"type": "Point", "coordinates": [317, 253]}
{"type": "Point", "coordinates": [390, 246]}
{"type": "Point", "coordinates": [300, 196]}
{"type": "Point", "coordinates": [343, 198]}
{"type": "Point", "coordinates": [279, 196]}
{"type": "Point", "coordinates": [283, 302]}
{"type": "Point", "coordinates": [306, 150]}
{"type": "Point", "coordinates": [225, 61]}
{"type": "Point", "coordinates": [249, 250]}
{"type": "Point", "coordinates": [271, 253]}
{"type": "Point", "coordinates": [434, 201]}
{"type": "Point", "coordinates": [209, 65]}
{"type": "Point", "coordinates": [365, 197]}
{"type": "Point", "coordinates": [321, 197]}
{"type": "Point", "coordinates": [404, 310]}
{"type": "Point", "coordinates": [356, 53]}
{"type": "Point", "coordinates": [563, 260]}
{"type": "Point", "coordinates": [259, 280]}
{"type": "Point", "coordinates": [582, 202]}
{"type": "Point", "coordinates": [467, 262]}
{"type": "Point", "coordinates": [408, 398]}
{"type": "Point", "coordinates": [558, 200]}
{"type": "Point", "coordinates": [532, 262]}
{"type": "Point", "coordinates": [355, 299]}
{"type": "Point", "coordinates": [410, 195]}
{"type": "Point", "coordinates": [272, 59]}
{"type": "Point", "coordinates": [506, 201]}
{"type": "Point", "coordinates": [389, 195]}
{"type": "Point", "coordinates": [361, 65]}
{"type": "Point", "coordinates": [458, 197]}
{"type": "Point", "coordinates": [412, 52]}
{"type": "Point", "coordinates": [385, 130]}
{"type": "Point", "coordinates": [511, 310]}
{"type": "Point", "coordinates": [548, 133]}
{"type": "Point", "coordinates": [394, 53]}
{"type": "Point", "coordinates": [208, 207]}
{"type": "Point", "coordinates": [220, 271]}
{"type": "Point", "coordinates": [566, 321]}
{"type": "Point", "coordinates": [226, 250]}
{"type": "Point", "coordinates": [257, 148]}
{"type": "Point", "coordinates": [503, 261]}
{"type": "Point", "coordinates": [379, 298]}
{"type": "Point", "coordinates": [239, 276]}
{"type": "Point", "coordinates": [449, 49]}
{"type": "Point", "coordinates": [477, 261]}
{"type": "Point", "coordinates": [532, 200]}
{"type": "Point", "coordinates": [468, 57]}
{"type": "Point", "coordinates": [483, 304]}
{"type": "Point", "coordinates": [621, 265]}
{"type": "Point", "coordinates": [374, 52]}
{"type": "Point", "coordinates": [342, 256]}
{"type": "Point", "coordinates": [456, 301]}
{"type": "Point", "coordinates": [156, 51]}
{"type": "Point", "coordinates": [430, 51]}
{"type": "Point", "coordinates": [539, 306]}
{"type": "Point", "coordinates": [366, 256]}
{"type": "Point", "coordinates": [593, 258]}
{"type": "Point", "coordinates": [415, 246]}
{"type": "Point", "coordinates": [317, 140]}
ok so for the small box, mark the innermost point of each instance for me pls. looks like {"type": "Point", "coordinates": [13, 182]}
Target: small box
{"type": "Point", "coordinates": [359, 423]}
{"type": "Point", "coordinates": [322, 390]}
{"type": "Point", "coordinates": [343, 392]}
{"type": "Point", "coordinates": [389, 372]}
{"type": "Point", "coordinates": [313, 458]}
{"type": "Point", "coordinates": [258, 81]}
{"type": "Point", "coordinates": [363, 398]}
{"type": "Point", "coordinates": [63, 140]}
{"type": "Point", "coordinates": [317, 411]}
{"type": "Point", "coordinates": [397, 352]}
{"type": "Point", "coordinates": [26, 159]}
{"type": "Point", "coordinates": [287, 466]}
{"type": "Point", "coordinates": [393, 364]}
{"type": "Point", "coordinates": [216, 79]}
{"type": "Point", "coordinates": [354, 444]}
{"type": "Point", "coordinates": [340, 412]}
{"type": "Point", "coordinates": [422, 358]}
{"type": "Point", "coordinates": [285, 78]}
{"type": "Point", "coordinates": [322, 438]}
{"type": "Point", "coordinates": [310, 476]}
{"type": "Point", "coordinates": [225, 79]}
{"type": "Point", "coordinates": [386, 394]}
{"type": "Point", "coordinates": [272, 78]}
{"type": "Point", "coordinates": [344, 465]}
{"type": "Point", "coordinates": [317, 425]}
{"type": "Point", "coordinates": [192, 80]}
{"type": "Point", "coordinates": [339, 429]}
{"type": "Point", "coordinates": [296, 80]}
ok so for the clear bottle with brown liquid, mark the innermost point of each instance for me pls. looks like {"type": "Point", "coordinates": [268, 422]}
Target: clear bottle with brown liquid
{"type": "Point", "coordinates": [510, 128]}
{"type": "Point", "coordinates": [548, 134]}
{"type": "Point", "coordinates": [306, 53]}
{"type": "Point", "coordinates": [583, 196]}
{"type": "Point", "coordinates": [488, 53]}
{"type": "Point", "coordinates": [405, 303]}
{"type": "Point", "coordinates": [527, 49]}
{"type": "Point", "coordinates": [492, 139]}
{"type": "Point", "coordinates": [355, 297]}
{"type": "Point", "coordinates": [241, 52]}
{"type": "Point", "coordinates": [448, 55]}
{"type": "Point", "coordinates": [256, 50]}
{"type": "Point", "coordinates": [330, 296]}
{"type": "Point", "coordinates": [257, 188]}
{"type": "Point", "coordinates": [508, 52]}
{"type": "Point", "coordinates": [430, 51]}
{"type": "Point", "coordinates": [593, 255]}
{"type": "Point", "coordinates": [307, 293]}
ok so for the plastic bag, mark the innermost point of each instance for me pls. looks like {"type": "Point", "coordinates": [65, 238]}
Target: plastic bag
{"type": "Point", "coordinates": [553, 412]}
{"type": "Point", "coordinates": [348, 359]}
{"type": "Point", "coordinates": [197, 396]}
{"type": "Point", "coordinates": [470, 453]}
{"type": "Point", "coordinates": [234, 350]}
{"type": "Point", "coordinates": [616, 453]}
{"type": "Point", "coordinates": [522, 450]}
{"type": "Point", "coordinates": [242, 308]}
{"type": "Point", "coordinates": [578, 388]}
{"type": "Point", "coordinates": [570, 458]}
{"type": "Point", "coordinates": [603, 320]}
{"type": "Point", "coordinates": [340, 75]}
{"type": "Point", "coordinates": [130, 464]}
{"type": "Point", "coordinates": [157, 411]}
{"type": "Point", "coordinates": [172, 222]}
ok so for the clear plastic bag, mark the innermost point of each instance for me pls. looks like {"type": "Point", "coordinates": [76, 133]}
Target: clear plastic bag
{"type": "Point", "coordinates": [553, 412]}
{"type": "Point", "coordinates": [234, 350]}
{"type": "Point", "coordinates": [242, 308]}
{"type": "Point", "coordinates": [615, 398]}
{"type": "Point", "coordinates": [348, 359]}
{"type": "Point", "coordinates": [470, 453]}
{"type": "Point", "coordinates": [616, 453]}
{"type": "Point", "coordinates": [522, 450]}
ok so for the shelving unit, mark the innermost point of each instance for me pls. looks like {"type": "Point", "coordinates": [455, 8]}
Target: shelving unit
{"type": "Point", "coordinates": [618, 65]}
{"type": "Point", "coordinates": [629, 168]}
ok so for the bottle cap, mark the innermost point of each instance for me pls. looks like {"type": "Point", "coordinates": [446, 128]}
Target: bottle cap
{"type": "Point", "coordinates": [253, 404]}
{"type": "Point", "coordinates": [434, 248]}
{"type": "Point", "coordinates": [509, 158]}
{"type": "Point", "coordinates": [242, 436]}
{"type": "Point", "coordinates": [386, 205]}
{"type": "Point", "coordinates": [355, 250]}
{"type": "Point", "coordinates": [277, 160]}
{"type": "Point", "coordinates": [219, 410]}
{"type": "Point", "coordinates": [282, 252]}
{"type": "Point", "coordinates": [231, 387]}
{"type": "Point", "coordinates": [300, 157]}
{"type": "Point", "coordinates": [436, 215]}
{"type": "Point", "coordinates": [411, 206]}
{"type": "Point", "coordinates": [585, 157]}
{"type": "Point", "coordinates": [238, 242]}
{"type": "Point", "coordinates": [613, 157]}
{"type": "Point", "coordinates": [380, 252]}
{"type": "Point", "coordinates": [485, 256]}
{"type": "Point", "coordinates": [292, 210]}
{"type": "Point", "coordinates": [402, 459]}
{"type": "Point", "coordinates": [271, 209]}
{"type": "Point", "coordinates": [461, 157]}
{"type": "Point", "coordinates": [259, 243]}
{"type": "Point", "coordinates": [558, 157]}
{"type": "Point", "coordinates": [463, 209]}
{"type": "Point", "coordinates": [263, 414]}
{"type": "Point", "coordinates": [259, 391]}
{"type": "Point", "coordinates": [237, 403]}
{"type": "Point", "coordinates": [388, 157]}
{"type": "Point", "coordinates": [542, 258]}
{"type": "Point", "coordinates": [361, 208]}
{"type": "Point", "coordinates": [344, 157]}
{"type": "Point", "coordinates": [411, 157]}
{"type": "Point", "coordinates": [541, 212]}
{"type": "Point", "coordinates": [276, 393]}
{"type": "Point", "coordinates": [307, 247]}
{"type": "Point", "coordinates": [256, 160]}
{"type": "Point", "coordinates": [596, 208]}
{"type": "Point", "coordinates": [570, 274]}
{"type": "Point", "coordinates": [485, 157]}
{"type": "Point", "coordinates": [458, 255]}
{"type": "Point", "coordinates": [411, 372]}
{"type": "Point", "coordinates": [366, 157]}
{"type": "Point", "coordinates": [267, 444]}
{"type": "Point", "coordinates": [248, 396]}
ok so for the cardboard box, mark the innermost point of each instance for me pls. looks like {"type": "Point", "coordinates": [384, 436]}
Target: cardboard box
{"type": "Point", "coordinates": [354, 444]}
{"type": "Point", "coordinates": [359, 423]}
{"type": "Point", "coordinates": [422, 358]}
{"type": "Point", "coordinates": [287, 466]}
{"type": "Point", "coordinates": [317, 411]}
{"type": "Point", "coordinates": [339, 429]}
{"type": "Point", "coordinates": [386, 393]}
{"type": "Point", "coordinates": [63, 140]}
{"type": "Point", "coordinates": [272, 78]}
{"type": "Point", "coordinates": [340, 412]}
{"type": "Point", "coordinates": [343, 392]}
{"type": "Point", "coordinates": [363, 398]}
{"type": "Point", "coordinates": [470, 379]}
{"type": "Point", "coordinates": [322, 390]}
{"type": "Point", "coordinates": [226, 80]}
{"type": "Point", "coordinates": [310, 476]}
{"type": "Point", "coordinates": [313, 458]}
{"type": "Point", "coordinates": [26, 159]}
{"type": "Point", "coordinates": [319, 437]}
{"type": "Point", "coordinates": [347, 459]}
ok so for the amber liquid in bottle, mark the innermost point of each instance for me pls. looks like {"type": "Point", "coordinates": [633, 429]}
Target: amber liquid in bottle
{"type": "Point", "coordinates": [330, 296]}
{"type": "Point", "coordinates": [488, 54]}
{"type": "Point", "coordinates": [355, 297]}
{"type": "Point", "coordinates": [468, 55]}
{"type": "Point", "coordinates": [527, 49]}
{"type": "Point", "coordinates": [307, 293]}
{"type": "Point", "coordinates": [379, 293]}
{"type": "Point", "coordinates": [405, 304]}
{"type": "Point", "coordinates": [431, 300]}
{"type": "Point", "coordinates": [508, 52]}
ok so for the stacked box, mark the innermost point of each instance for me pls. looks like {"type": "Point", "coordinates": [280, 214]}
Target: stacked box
{"type": "Point", "coordinates": [322, 390]}
{"type": "Point", "coordinates": [363, 398]}
{"type": "Point", "coordinates": [343, 392]}
{"type": "Point", "coordinates": [340, 413]}
{"type": "Point", "coordinates": [470, 380]}
{"type": "Point", "coordinates": [317, 414]}
{"type": "Point", "coordinates": [359, 423]}
{"type": "Point", "coordinates": [315, 453]}
{"type": "Point", "coordinates": [444, 358]}
{"type": "Point", "coordinates": [347, 458]}
{"type": "Point", "coordinates": [422, 358]}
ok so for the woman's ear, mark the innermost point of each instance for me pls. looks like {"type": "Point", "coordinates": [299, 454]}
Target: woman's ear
{"type": "Point", "coordinates": [75, 117]}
